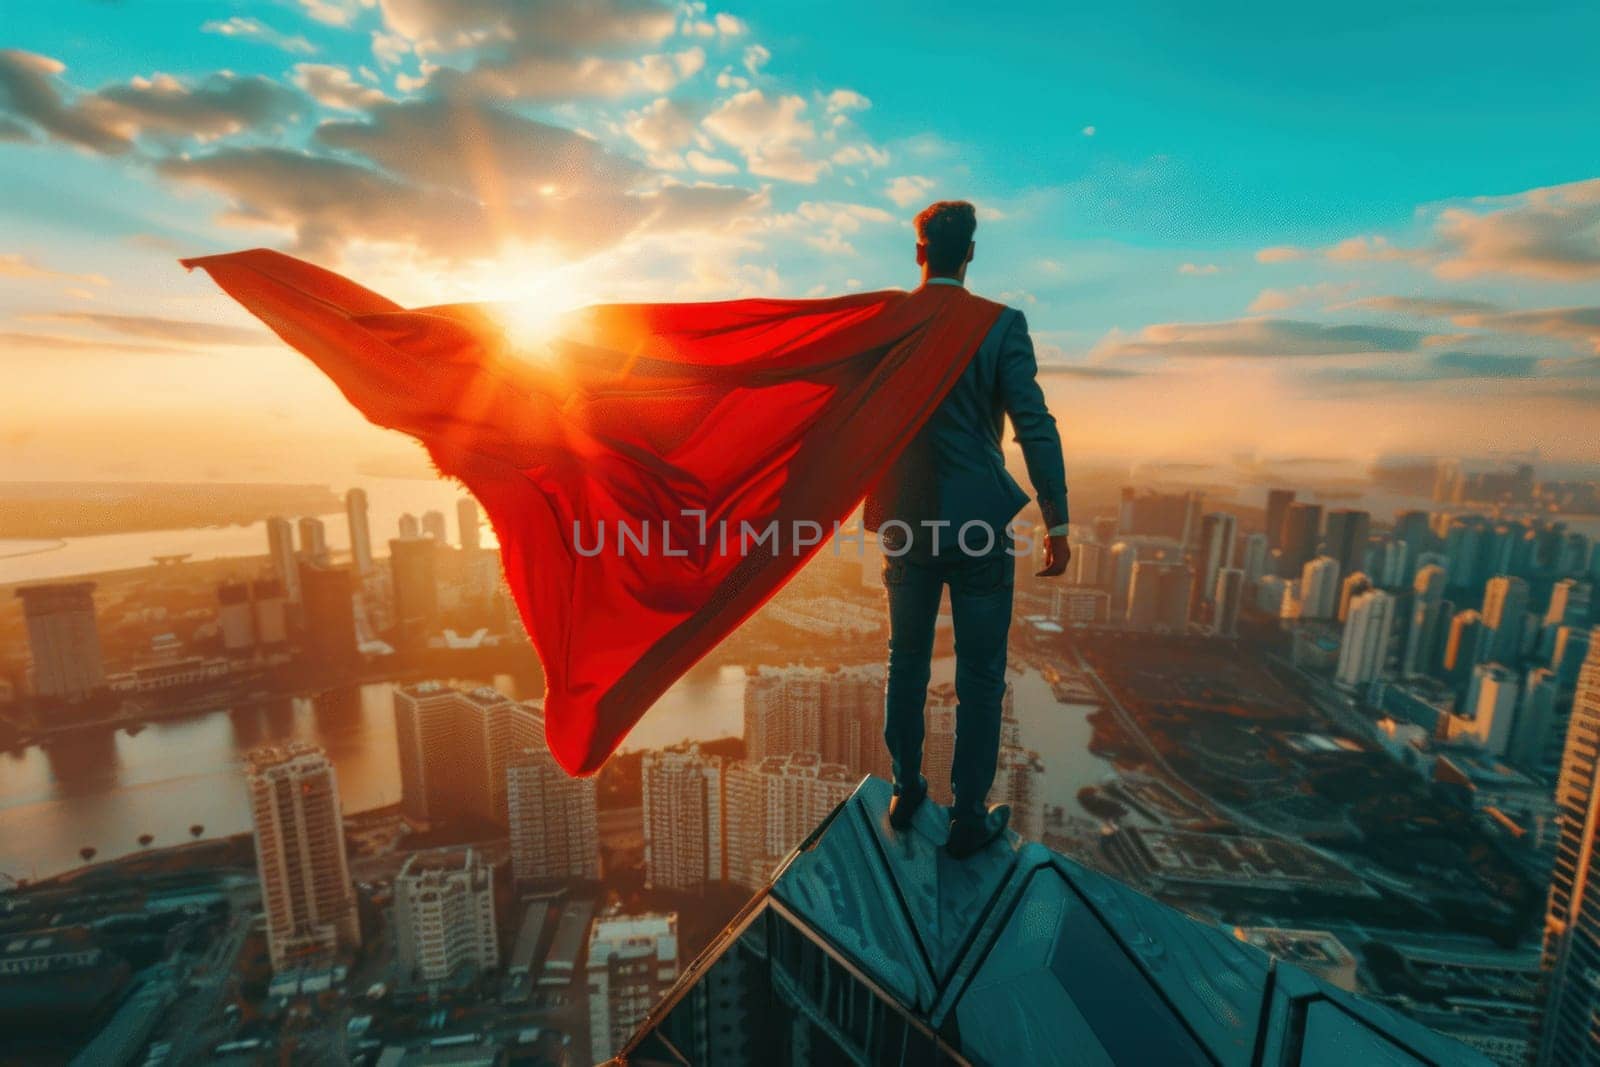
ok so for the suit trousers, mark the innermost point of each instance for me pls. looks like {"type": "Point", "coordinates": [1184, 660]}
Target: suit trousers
{"type": "Point", "coordinates": [980, 605]}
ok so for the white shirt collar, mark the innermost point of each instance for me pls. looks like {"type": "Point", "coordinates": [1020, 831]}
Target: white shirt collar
{"type": "Point", "coordinates": [945, 281]}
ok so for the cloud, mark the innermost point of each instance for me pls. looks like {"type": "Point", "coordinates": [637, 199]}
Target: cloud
{"type": "Point", "coordinates": [703, 164]}
{"type": "Point", "coordinates": [334, 12]}
{"type": "Point", "coordinates": [250, 29]}
{"type": "Point", "coordinates": [12, 130]}
{"type": "Point", "coordinates": [29, 90]}
{"type": "Point", "coordinates": [1573, 323]}
{"type": "Point", "coordinates": [1441, 367]}
{"type": "Point", "coordinates": [730, 25]}
{"type": "Point", "coordinates": [334, 87]}
{"type": "Point", "coordinates": [1088, 131]}
{"type": "Point", "coordinates": [14, 341]}
{"type": "Point", "coordinates": [769, 133]}
{"type": "Point", "coordinates": [908, 189]}
{"type": "Point", "coordinates": [1273, 300]}
{"type": "Point", "coordinates": [562, 77]}
{"type": "Point", "coordinates": [1551, 233]}
{"type": "Point", "coordinates": [841, 100]}
{"type": "Point", "coordinates": [663, 128]}
{"type": "Point", "coordinates": [1257, 339]}
{"type": "Point", "coordinates": [1422, 307]}
{"type": "Point", "coordinates": [1095, 371]}
{"type": "Point", "coordinates": [216, 106]}
{"type": "Point", "coordinates": [1199, 269]}
{"type": "Point", "coordinates": [455, 181]}
{"type": "Point", "coordinates": [16, 265]}
{"type": "Point", "coordinates": [149, 327]}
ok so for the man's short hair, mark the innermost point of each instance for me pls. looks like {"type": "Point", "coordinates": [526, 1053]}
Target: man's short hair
{"type": "Point", "coordinates": [945, 229]}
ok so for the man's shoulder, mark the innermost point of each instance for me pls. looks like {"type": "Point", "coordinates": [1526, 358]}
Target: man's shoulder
{"type": "Point", "coordinates": [1006, 317]}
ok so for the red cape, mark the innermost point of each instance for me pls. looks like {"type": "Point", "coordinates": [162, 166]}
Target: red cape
{"type": "Point", "coordinates": [751, 411]}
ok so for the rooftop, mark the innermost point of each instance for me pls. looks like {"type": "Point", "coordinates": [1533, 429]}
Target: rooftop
{"type": "Point", "coordinates": [880, 947]}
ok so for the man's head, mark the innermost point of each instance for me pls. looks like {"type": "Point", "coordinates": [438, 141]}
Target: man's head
{"type": "Point", "coordinates": [944, 237]}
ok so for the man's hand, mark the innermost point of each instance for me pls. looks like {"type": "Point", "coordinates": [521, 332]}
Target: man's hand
{"type": "Point", "coordinates": [1056, 556]}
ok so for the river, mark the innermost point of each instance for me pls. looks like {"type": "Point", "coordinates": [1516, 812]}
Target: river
{"type": "Point", "coordinates": [105, 788]}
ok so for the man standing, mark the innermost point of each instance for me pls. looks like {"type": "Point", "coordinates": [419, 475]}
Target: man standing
{"type": "Point", "coordinates": [943, 516]}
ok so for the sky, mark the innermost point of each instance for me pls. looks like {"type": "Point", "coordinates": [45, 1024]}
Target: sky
{"type": "Point", "coordinates": [1272, 232]}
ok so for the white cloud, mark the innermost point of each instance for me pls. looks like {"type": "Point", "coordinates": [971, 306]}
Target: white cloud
{"type": "Point", "coordinates": [769, 133]}
{"type": "Point", "coordinates": [846, 100]}
{"type": "Point", "coordinates": [1199, 269]}
{"type": "Point", "coordinates": [908, 189]}
{"type": "Point", "coordinates": [334, 87]}
{"type": "Point", "coordinates": [255, 30]}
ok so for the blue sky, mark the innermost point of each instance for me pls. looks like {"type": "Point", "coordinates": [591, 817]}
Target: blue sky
{"type": "Point", "coordinates": [1273, 230]}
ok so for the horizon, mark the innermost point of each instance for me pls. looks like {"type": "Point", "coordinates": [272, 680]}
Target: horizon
{"type": "Point", "coordinates": [1350, 231]}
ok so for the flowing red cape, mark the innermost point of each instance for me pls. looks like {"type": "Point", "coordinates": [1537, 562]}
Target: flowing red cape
{"type": "Point", "coordinates": [742, 413]}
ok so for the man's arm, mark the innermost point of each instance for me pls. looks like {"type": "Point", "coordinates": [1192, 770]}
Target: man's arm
{"type": "Point", "coordinates": [1034, 426]}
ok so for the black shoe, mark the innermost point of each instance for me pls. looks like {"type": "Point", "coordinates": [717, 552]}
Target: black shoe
{"type": "Point", "coordinates": [904, 804]}
{"type": "Point", "coordinates": [969, 836]}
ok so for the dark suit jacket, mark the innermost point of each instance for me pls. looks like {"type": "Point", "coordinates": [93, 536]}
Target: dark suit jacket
{"type": "Point", "coordinates": [954, 469]}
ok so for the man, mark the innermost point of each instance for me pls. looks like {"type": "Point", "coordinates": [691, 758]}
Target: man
{"type": "Point", "coordinates": [943, 516]}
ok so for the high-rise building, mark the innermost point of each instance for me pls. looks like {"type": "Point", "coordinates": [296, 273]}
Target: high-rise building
{"type": "Point", "coordinates": [1505, 613]}
{"type": "Point", "coordinates": [236, 617]}
{"type": "Point", "coordinates": [1256, 561]}
{"type": "Point", "coordinates": [1572, 919]}
{"type": "Point", "coordinates": [554, 823]}
{"type": "Point", "coordinates": [355, 511]}
{"type": "Point", "coordinates": [1462, 552]}
{"type": "Point", "coordinates": [1466, 647]}
{"type": "Point", "coordinates": [1365, 647]}
{"type": "Point", "coordinates": [1391, 564]}
{"type": "Point", "coordinates": [455, 746]}
{"type": "Point", "coordinates": [1412, 529]}
{"type": "Point", "coordinates": [633, 960]}
{"type": "Point", "coordinates": [939, 736]}
{"type": "Point", "coordinates": [852, 721]}
{"type": "Point", "coordinates": [1153, 514]}
{"type": "Point", "coordinates": [1278, 501]}
{"type": "Point", "coordinates": [409, 526]}
{"type": "Point", "coordinates": [684, 819]}
{"type": "Point", "coordinates": [782, 712]}
{"type": "Point", "coordinates": [467, 523]}
{"type": "Point", "coordinates": [1319, 588]}
{"type": "Point", "coordinates": [1346, 537]}
{"type": "Point", "coordinates": [1088, 565]}
{"type": "Point", "coordinates": [63, 640]}
{"type": "Point", "coordinates": [328, 617]}
{"type": "Point", "coordinates": [1534, 739]}
{"type": "Point", "coordinates": [416, 589]}
{"type": "Point", "coordinates": [280, 547]}
{"type": "Point", "coordinates": [1302, 531]}
{"type": "Point", "coordinates": [1353, 586]}
{"type": "Point", "coordinates": [444, 915]}
{"type": "Point", "coordinates": [1567, 655]}
{"type": "Point", "coordinates": [1490, 709]}
{"type": "Point", "coordinates": [1123, 556]}
{"type": "Point", "coordinates": [313, 540]}
{"type": "Point", "coordinates": [433, 526]}
{"type": "Point", "coordinates": [1078, 605]}
{"type": "Point", "coordinates": [1159, 595]}
{"type": "Point", "coordinates": [772, 805]}
{"type": "Point", "coordinates": [1216, 550]}
{"type": "Point", "coordinates": [1426, 634]}
{"type": "Point", "coordinates": [1569, 604]}
{"type": "Point", "coordinates": [1229, 597]}
{"type": "Point", "coordinates": [306, 892]}
{"type": "Point", "coordinates": [272, 612]}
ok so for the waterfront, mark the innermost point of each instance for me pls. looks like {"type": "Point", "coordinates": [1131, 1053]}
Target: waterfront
{"type": "Point", "coordinates": [104, 788]}
{"type": "Point", "coordinates": [387, 500]}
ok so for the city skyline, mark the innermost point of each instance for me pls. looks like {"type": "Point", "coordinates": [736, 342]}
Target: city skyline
{"type": "Point", "coordinates": [1414, 290]}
